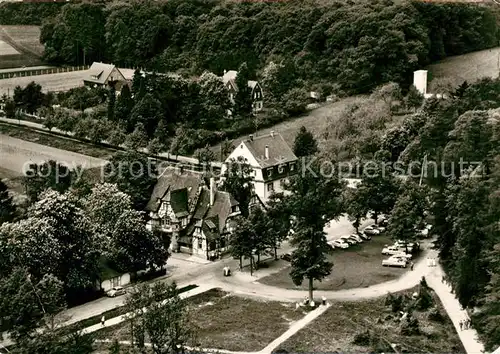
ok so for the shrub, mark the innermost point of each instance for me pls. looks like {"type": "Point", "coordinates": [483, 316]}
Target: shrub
{"type": "Point", "coordinates": [363, 339]}
{"type": "Point", "coordinates": [410, 326]}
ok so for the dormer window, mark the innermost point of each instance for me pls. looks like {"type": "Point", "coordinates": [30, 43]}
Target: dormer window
{"type": "Point", "coordinates": [270, 172]}
{"type": "Point", "coordinates": [292, 166]}
{"type": "Point", "coordinates": [281, 168]}
{"type": "Point", "coordinates": [234, 209]}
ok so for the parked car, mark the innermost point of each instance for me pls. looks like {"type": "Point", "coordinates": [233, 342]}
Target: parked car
{"type": "Point", "coordinates": [377, 227]}
{"type": "Point", "coordinates": [392, 250]}
{"type": "Point", "coordinates": [371, 231]}
{"type": "Point", "coordinates": [348, 240]}
{"type": "Point", "coordinates": [394, 262]}
{"type": "Point", "coordinates": [403, 254]}
{"type": "Point", "coordinates": [365, 237]}
{"type": "Point", "coordinates": [356, 237]}
{"type": "Point", "coordinates": [410, 245]}
{"type": "Point", "coordinates": [116, 291]}
{"type": "Point", "coordinates": [340, 244]}
{"type": "Point", "coordinates": [286, 257]}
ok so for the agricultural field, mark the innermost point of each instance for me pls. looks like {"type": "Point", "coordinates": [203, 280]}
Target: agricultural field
{"type": "Point", "coordinates": [49, 82]}
{"type": "Point", "coordinates": [468, 67]}
{"type": "Point", "coordinates": [20, 46]}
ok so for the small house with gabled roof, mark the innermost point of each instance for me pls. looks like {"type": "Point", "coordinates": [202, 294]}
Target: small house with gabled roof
{"type": "Point", "coordinates": [104, 75]}
{"type": "Point", "coordinates": [229, 79]}
{"type": "Point", "coordinates": [272, 161]}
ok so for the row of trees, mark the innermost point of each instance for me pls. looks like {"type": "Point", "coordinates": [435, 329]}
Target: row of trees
{"type": "Point", "coordinates": [459, 138]}
{"type": "Point", "coordinates": [370, 49]}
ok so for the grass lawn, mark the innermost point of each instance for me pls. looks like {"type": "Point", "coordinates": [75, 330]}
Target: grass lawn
{"type": "Point", "coordinates": [334, 331]}
{"type": "Point", "coordinates": [468, 67]}
{"type": "Point", "coordinates": [315, 121]}
{"type": "Point", "coordinates": [225, 321]}
{"type": "Point", "coordinates": [62, 143]}
{"type": "Point", "coordinates": [356, 267]}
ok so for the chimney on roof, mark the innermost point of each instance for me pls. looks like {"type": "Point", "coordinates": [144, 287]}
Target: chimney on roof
{"type": "Point", "coordinates": [267, 152]}
{"type": "Point", "coordinates": [250, 137]}
{"type": "Point", "coordinates": [212, 191]}
{"type": "Point", "coordinates": [272, 133]}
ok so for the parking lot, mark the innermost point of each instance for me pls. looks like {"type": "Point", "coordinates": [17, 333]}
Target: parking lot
{"type": "Point", "coordinates": [357, 266]}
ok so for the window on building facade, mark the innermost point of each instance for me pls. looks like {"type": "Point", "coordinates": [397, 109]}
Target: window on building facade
{"type": "Point", "coordinates": [270, 187]}
{"type": "Point", "coordinates": [234, 209]}
{"type": "Point", "coordinates": [292, 166]}
{"type": "Point", "coordinates": [281, 169]}
{"type": "Point", "coordinates": [167, 221]}
{"type": "Point", "coordinates": [270, 172]}
{"type": "Point", "coordinates": [222, 242]}
{"type": "Point", "coordinates": [282, 182]}
{"type": "Point", "coordinates": [200, 243]}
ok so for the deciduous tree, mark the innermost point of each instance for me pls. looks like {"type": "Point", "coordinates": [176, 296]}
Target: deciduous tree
{"type": "Point", "coordinates": [158, 312]}
{"type": "Point", "coordinates": [134, 175]}
{"type": "Point", "coordinates": [314, 200]}
{"type": "Point", "coordinates": [51, 174]}
{"type": "Point", "coordinates": [238, 182]}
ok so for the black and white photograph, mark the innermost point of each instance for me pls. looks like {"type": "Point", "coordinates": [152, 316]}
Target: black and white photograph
{"type": "Point", "coordinates": [249, 176]}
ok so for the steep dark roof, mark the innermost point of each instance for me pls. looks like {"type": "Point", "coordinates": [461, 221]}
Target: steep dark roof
{"type": "Point", "coordinates": [221, 208]}
{"type": "Point", "coordinates": [230, 76]}
{"type": "Point", "coordinates": [179, 200]}
{"type": "Point", "coordinates": [172, 179]}
{"type": "Point", "coordinates": [203, 205]}
{"type": "Point", "coordinates": [210, 230]}
{"type": "Point", "coordinates": [279, 151]}
{"type": "Point", "coordinates": [215, 214]}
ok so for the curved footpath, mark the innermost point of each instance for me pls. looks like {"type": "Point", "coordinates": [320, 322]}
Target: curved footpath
{"type": "Point", "coordinates": [239, 285]}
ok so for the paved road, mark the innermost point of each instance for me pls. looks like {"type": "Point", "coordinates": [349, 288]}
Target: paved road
{"type": "Point", "coordinates": [16, 154]}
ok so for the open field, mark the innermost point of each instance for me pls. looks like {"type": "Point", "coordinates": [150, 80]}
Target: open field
{"type": "Point", "coordinates": [314, 120]}
{"type": "Point", "coordinates": [20, 46]}
{"type": "Point", "coordinates": [334, 331]}
{"type": "Point", "coordinates": [356, 267]}
{"type": "Point", "coordinates": [17, 153]}
{"type": "Point", "coordinates": [225, 321]}
{"type": "Point", "coordinates": [49, 82]}
{"type": "Point", "coordinates": [70, 145]}
{"type": "Point", "coordinates": [6, 49]}
{"type": "Point", "coordinates": [468, 67]}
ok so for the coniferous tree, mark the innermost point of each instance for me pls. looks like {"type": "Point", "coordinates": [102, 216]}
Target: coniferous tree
{"type": "Point", "coordinates": [304, 144]}
{"type": "Point", "coordinates": [7, 208]}
{"type": "Point", "coordinates": [243, 97]}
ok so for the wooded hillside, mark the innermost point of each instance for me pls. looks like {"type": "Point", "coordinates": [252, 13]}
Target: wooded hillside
{"type": "Point", "coordinates": [356, 45]}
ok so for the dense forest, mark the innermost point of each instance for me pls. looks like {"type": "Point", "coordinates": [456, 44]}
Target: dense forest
{"type": "Point", "coordinates": [460, 138]}
{"type": "Point", "coordinates": [357, 46]}
{"type": "Point", "coordinates": [19, 13]}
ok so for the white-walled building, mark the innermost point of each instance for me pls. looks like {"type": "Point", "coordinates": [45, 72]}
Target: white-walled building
{"type": "Point", "coordinates": [271, 159]}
